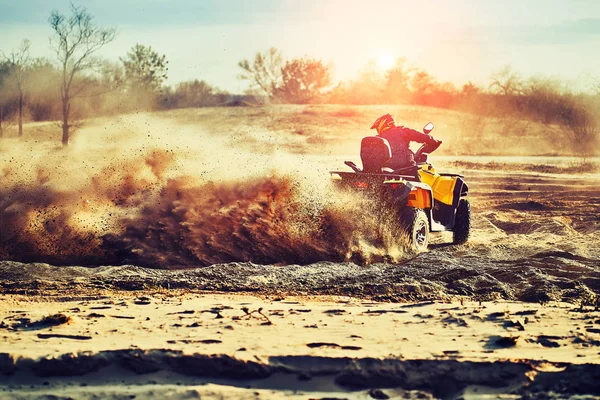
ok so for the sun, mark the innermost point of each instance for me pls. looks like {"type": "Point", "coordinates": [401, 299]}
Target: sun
{"type": "Point", "coordinates": [385, 60]}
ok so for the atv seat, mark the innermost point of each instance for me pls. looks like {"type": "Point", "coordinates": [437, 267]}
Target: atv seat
{"type": "Point", "coordinates": [375, 151]}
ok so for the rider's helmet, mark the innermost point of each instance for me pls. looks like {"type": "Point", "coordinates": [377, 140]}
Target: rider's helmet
{"type": "Point", "coordinates": [383, 123]}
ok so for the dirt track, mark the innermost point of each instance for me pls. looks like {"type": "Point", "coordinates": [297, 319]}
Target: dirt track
{"type": "Point", "coordinates": [535, 238]}
{"type": "Point", "coordinates": [152, 191]}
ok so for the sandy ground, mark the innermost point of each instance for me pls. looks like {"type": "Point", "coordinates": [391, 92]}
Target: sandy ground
{"type": "Point", "coordinates": [270, 285]}
{"type": "Point", "coordinates": [215, 345]}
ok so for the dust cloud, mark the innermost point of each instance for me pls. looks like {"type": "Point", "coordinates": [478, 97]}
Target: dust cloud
{"type": "Point", "coordinates": [144, 190]}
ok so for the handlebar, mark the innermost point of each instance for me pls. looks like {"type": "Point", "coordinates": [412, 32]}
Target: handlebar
{"type": "Point", "coordinates": [428, 148]}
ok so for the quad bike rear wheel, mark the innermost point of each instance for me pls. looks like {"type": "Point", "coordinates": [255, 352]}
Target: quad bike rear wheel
{"type": "Point", "coordinates": [462, 222]}
{"type": "Point", "coordinates": [416, 229]}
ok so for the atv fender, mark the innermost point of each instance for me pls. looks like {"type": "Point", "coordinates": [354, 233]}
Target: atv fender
{"type": "Point", "coordinates": [424, 199]}
{"type": "Point", "coordinates": [445, 214]}
{"type": "Point", "coordinates": [416, 195]}
{"type": "Point", "coordinates": [411, 194]}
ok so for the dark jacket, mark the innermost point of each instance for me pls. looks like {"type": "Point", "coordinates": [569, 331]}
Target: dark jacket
{"type": "Point", "coordinates": [399, 139]}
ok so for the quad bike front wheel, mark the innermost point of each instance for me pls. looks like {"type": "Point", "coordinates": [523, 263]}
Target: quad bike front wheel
{"type": "Point", "coordinates": [462, 222]}
{"type": "Point", "coordinates": [416, 229]}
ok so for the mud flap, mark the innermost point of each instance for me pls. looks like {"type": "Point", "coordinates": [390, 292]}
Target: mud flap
{"type": "Point", "coordinates": [398, 196]}
{"type": "Point", "coordinates": [460, 189]}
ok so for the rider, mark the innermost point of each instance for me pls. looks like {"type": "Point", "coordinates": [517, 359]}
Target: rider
{"type": "Point", "coordinates": [399, 139]}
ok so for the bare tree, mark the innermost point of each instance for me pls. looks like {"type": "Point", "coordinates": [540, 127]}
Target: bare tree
{"type": "Point", "coordinates": [4, 70]}
{"type": "Point", "coordinates": [506, 81]}
{"type": "Point", "coordinates": [75, 40]}
{"type": "Point", "coordinates": [264, 73]}
{"type": "Point", "coordinates": [18, 61]}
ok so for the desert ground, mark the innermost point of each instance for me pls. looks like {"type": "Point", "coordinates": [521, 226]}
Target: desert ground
{"type": "Point", "coordinates": [205, 253]}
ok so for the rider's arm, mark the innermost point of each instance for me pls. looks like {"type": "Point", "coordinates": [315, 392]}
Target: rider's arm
{"type": "Point", "coordinates": [416, 136]}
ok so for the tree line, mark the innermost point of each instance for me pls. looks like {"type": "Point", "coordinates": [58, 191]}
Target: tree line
{"type": "Point", "coordinates": [89, 86]}
{"type": "Point", "coordinates": [86, 85]}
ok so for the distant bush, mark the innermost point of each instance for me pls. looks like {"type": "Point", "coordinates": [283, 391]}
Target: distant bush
{"type": "Point", "coordinates": [580, 120]}
{"type": "Point", "coordinates": [193, 94]}
{"type": "Point", "coordinates": [302, 81]}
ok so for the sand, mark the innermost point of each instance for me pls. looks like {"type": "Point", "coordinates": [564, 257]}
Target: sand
{"type": "Point", "coordinates": [159, 257]}
{"type": "Point", "coordinates": [119, 343]}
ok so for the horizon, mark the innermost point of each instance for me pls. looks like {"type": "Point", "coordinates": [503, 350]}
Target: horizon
{"type": "Point", "coordinates": [461, 41]}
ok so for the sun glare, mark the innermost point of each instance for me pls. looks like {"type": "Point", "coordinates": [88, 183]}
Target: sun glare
{"type": "Point", "coordinates": [385, 61]}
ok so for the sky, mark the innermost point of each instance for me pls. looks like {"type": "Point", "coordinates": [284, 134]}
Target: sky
{"type": "Point", "coordinates": [454, 40]}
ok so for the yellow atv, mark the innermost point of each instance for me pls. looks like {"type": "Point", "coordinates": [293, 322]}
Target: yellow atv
{"type": "Point", "coordinates": [437, 203]}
